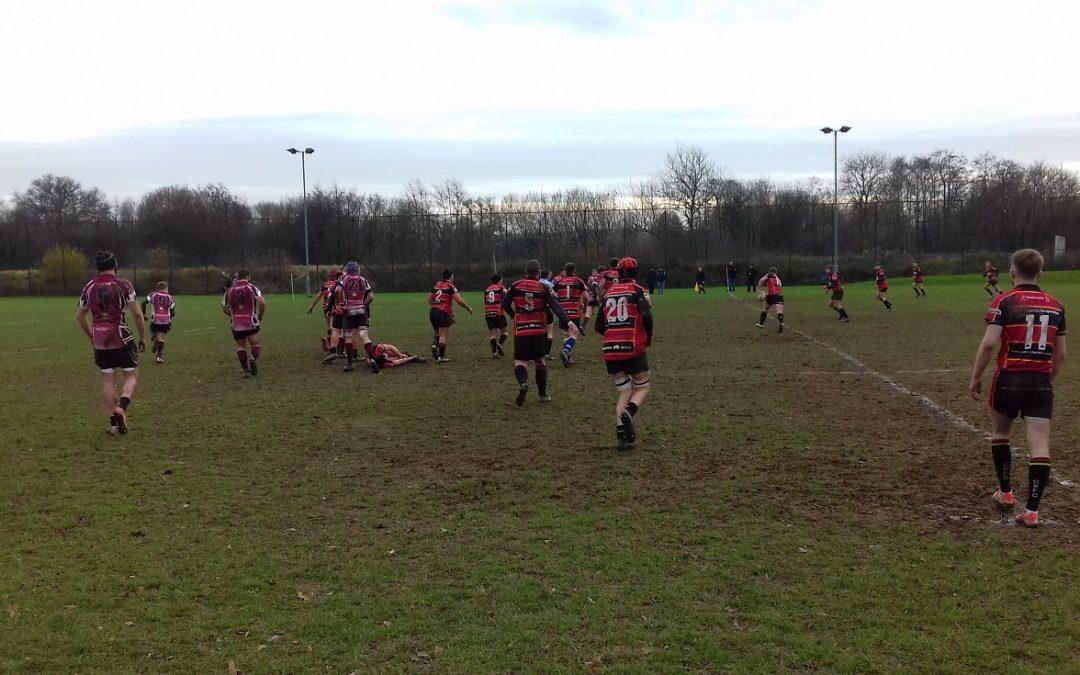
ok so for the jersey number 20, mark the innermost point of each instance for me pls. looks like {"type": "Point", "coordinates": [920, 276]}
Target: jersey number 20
{"type": "Point", "coordinates": [617, 309]}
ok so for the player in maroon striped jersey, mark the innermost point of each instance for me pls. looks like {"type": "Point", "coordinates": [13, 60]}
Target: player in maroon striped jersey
{"type": "Point", "coordinates": [626, 323]}
{"type": "Point", "coordinates": [834, 286]}
{"type": "Point", "coordinates": [882, 282]}
{"type": "Point", "coordinates": [608, 278]}
{"type": "Point", "coordinates": [444, 294]}
{"type": "Point", "coordinates": [352, 304]}
{"type": "Point", "coordinates": [593, 284]}
{"type": "Point", "coordinates": [106, 298]}
{"type": "Point", "coordinates": [772, 295]}
{"type": "Point", "coordinates": [163, 309]}
{"type": "Point", "coordinates": [528, 302]}
{"type": "Point", "coordinates": [1028, 327]}
{"type": "Point", "coordinates": [917, 278]}
{"type": "Point", "coordinates": [572, 294]}
{"type": "Point", "coordinates": [244, 305]}
{"type": "Point", "coordinates": [991, 274]}
{"type": "Point", "coordinates": [494, 315]}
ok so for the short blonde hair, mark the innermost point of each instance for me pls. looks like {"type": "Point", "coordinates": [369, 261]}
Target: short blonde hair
{"type": "Point", "coordinates": [1028, 262]}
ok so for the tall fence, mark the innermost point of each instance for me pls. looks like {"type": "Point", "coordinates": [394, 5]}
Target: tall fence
{"type": "Point", "coordinates": [406, 250]}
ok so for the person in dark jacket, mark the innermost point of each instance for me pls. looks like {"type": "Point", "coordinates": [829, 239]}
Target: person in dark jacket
{"type": "Point", "coordinates": [699, 281]}
{"type": "Point", "coordinates": [650, 280]}
{"type": "Point", "coordinates": [751, 279]}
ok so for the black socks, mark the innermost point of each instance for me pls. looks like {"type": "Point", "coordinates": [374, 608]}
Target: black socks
{"type": "Point", "coordinates": [1038, 477]}
{"type": "Point", "coordinates": [541, 380]}
{"type": "Point", "coordinates": [1002, 453]}
{"type": "Point", "coordinates": [521, 374]}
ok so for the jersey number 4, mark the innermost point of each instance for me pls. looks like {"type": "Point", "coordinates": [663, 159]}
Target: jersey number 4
{"type": "Point", "coordinates": [617, 309]}
{"type": "Point", "coordinates": [1029, 338]}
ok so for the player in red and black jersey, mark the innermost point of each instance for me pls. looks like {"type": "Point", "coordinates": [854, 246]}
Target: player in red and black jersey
{"type": "Point", "coordinates": [608, 278]}
{"type": "Point", "coordinates": [626, 323]}
{"type": "Point", "coordinates": [882, 282]}
{"type": "Point", "coordinates": [834, 286]}
{"type": "Point", "coordinates": [772, 295]}
{"type": "Point", "coordinates": [917, 278]}
{"type": "Point", "coordinates": [528, 302]}
{"type": "Point", "coordinates": [572, 294]}
{"type": "Point", "coordinates": [1028, 327]}
{"type": "Point", "coordinates": [326, 295]}
{"type": "Point", "coordinates": [243, 303]}
{"type": "Point", "coordinates": [441, 299]}
{"type": "Point", "coordinates": [494, 315]}
{"type": "Point", "coordinates": [991, 274]}
{"type": "Point", "coordinates": [107, 298]}
{"type": "Point", "coordinates": [593, 285]}
{"type": "Point", "coordinates": [163, 309]}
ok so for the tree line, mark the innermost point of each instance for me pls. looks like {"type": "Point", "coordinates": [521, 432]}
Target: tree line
{"type": "Point", "coordinates": [689, 213]}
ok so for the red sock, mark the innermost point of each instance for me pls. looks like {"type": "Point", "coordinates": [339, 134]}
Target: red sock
{"type": "Point", "coordinates": [255, 351]}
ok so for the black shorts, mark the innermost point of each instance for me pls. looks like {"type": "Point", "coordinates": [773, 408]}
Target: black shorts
{"type": "Point", "coordinates": [530, 347]}
{"type": "Point", "coordinates": [160, 328]}
{"type": "Point", "coordinates": [440, 319]}
{"type": "Point", "coordinates": [1018, 393]}
{"type": "Point", "coordinates": [244, 334]}
{"type": "Point", "coordinates": [837, 295]}
{"type": "Point", "coordinates": [337, 321]}
{"type": "Point", "coordinates": [593, 302]}
{"type": "Point", "coordinates": [354, 321]}
{"type": "Point", "coordinates": [774, 299]}
{"type": "Point", "coordinates": [124, 358]}
{"type": "Point", "coordinates": [631, 366]}
{"type": "Point", "coordinates": [496, 322]}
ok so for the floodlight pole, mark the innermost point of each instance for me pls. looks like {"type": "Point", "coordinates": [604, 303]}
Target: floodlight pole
{"type": "Point", "coordinates": [836, 193]}
{"type": "Point", "coordinates": [303, 178]}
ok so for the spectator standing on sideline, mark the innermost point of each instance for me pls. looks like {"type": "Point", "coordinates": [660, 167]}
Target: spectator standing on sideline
{"type": "Point", "coordinates": [751, 279]}
{"type": "Point", "coordinates": [732, 275]}
{"type": "Point", "coordinates": [650, 279]}
{"type": "Point", "coordinates": [661, 280]}
{"type": "Point", "coordinates": [699, 281]}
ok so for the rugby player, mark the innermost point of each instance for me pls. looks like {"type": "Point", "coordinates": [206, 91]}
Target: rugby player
{"type": "Point", "coordinates": [882, 287]}
{"type": "Point", "coordinates": [441, 299]}
{"type": "Point", "coordinates": [352, 302]}
{"type": "Point", "coordinates": [608, 277]}
{"type": "Point", "coordinates": [626, 323]}
{"type": "Point", "coordinates": [389, 356]}
{"type": "Point", "coordinates": [916, 279]}
{"type": "Point", "coordinates": [836, 301]}
{"type": "Point", "coordinates": [1028, 326]}
{"type": "Point", "coordinates": [545, 278]}
{"type": "Point", "coordinates": [494, 315]}
{"type": "Point", "coordinates": [243, 303]}
{"type": "Point", "coordinates": [771, 296]}
{"type": "Point", "coordinates": [164, 309]}
{"type": "Point", "coordinates": [326, 295]}
{"type": "Point", "coordinates": [991, 274]}
{"type": "Point", "coordinates": [528, 301]}
{"type": "Point", "coordinates": [106, 298]}
{"type": "Point", "coordinates": [593, 285]}
{"type": "Point", "coordinates": [572, 294]}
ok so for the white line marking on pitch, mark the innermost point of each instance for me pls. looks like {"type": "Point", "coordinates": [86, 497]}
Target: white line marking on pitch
{"type": "Point", "coordinates": [23, 351]}
{"type": "Point", "coordinates": [925, 371]}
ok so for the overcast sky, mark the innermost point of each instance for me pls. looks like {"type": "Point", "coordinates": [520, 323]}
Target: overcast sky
{"type": "Point", "coordinates": [513, 95]}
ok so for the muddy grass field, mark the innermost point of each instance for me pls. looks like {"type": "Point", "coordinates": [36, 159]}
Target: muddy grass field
{"type": "Point", "coordinates": [785, 509]}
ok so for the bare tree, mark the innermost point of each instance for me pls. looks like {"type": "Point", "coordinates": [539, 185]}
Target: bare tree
{"type": "Point", "coordinates": [686, 177]}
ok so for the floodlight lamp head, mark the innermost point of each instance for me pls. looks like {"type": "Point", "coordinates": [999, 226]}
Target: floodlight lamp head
{"type": "Point", "coordinates": [826, 130]}
{"type": "Point", "coordinates": [292, 151]}
{"type": "Point", "coordinates": [308, 151]}
{"type": "Point", "coordinates": [844, 129]}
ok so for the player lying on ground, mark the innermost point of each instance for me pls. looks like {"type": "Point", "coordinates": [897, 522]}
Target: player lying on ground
{"type": "Point", "coordinates": [105, 298]}
{"type": "Point", "coordinates": [494, 316]}
{"type": "Point", "coordinates": [626, 323]}
{"type": "Point", "coordinates": [444, 294]}
{"type": "Point", "coordinates": [243, 303]}
{"type": "Point", "coordinates": [991, 274]}
{"type": "Point", "coordinates": [528, 301]}
{"type": "Point", "coordinates": [389, 356]}
{"type": "Point", "coordinates": [834, 286]}
{"type": "Point", "coordinates": [882, 287]}
{"type": "Point", "coordinates": [1028, 327]}
{"type": "Point", "coordinates": [772, 296]}
{"type": "Point", "coordinates": [163, 309]}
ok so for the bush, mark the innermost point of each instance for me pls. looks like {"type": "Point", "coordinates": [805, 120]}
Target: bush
{"type": "Point", "coordinates": [64, 268]}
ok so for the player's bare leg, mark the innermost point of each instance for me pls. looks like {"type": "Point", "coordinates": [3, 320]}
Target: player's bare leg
{"type": "Point", "coordinates": [350, 350]}
{"type": "Point", "coordinates": [521, 374]}
{"type": "Point", "coordinates": [158, 342]}
{"type": "Point", "coordinates": [337, 341]}
{"type": "Point", "coordinates": [440, 350]}
{"type": "Point", "coordinates": [549, 341]}
{"type": "Point", "coordinates": [496, 345]}
{"type": "Point", "coordinates": [779, 316]}
{"type": "Point", "coordinates": [568, 345]}
{"type": "Point", "coordinates": [108, 397]}
{"type": "Point", "coordinates": [624, 386]}
{"type": "Point", "coordinates": [243, 357]}
{"type": "Point", "coordinates": [255, 345]}
{"type": "Point", "coordinates": [883, 299]}
{"type": "Point", "coordinates": [369, 349]}
{"type": "Point", "coordinates": [639, 391]}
